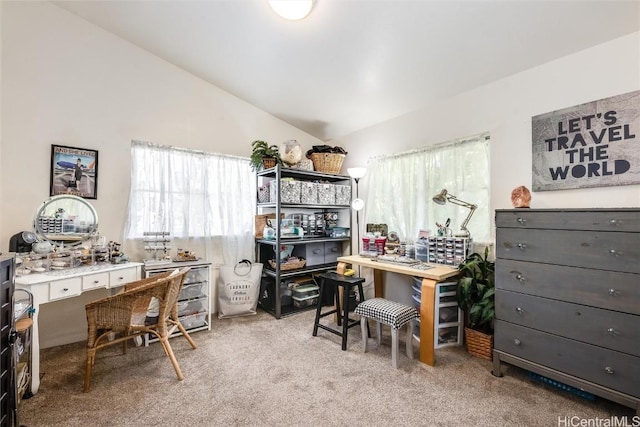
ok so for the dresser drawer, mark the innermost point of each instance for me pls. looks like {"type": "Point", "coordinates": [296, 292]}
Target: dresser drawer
{"type": "Point", "coordinates": [598, 288]}
{"type": "Point", "coordinates": [609, 368]}
{"type": "Point", "coordinates": [332, 250]}
{"type": "Point", "coordinates": [65, 288]}
{"type": "Point", "coordinates": [593, 220]}
{"type": "Point", "coordinates": [94, 281]}
{"type": "Point", "coordinates": [122, 276]}
{"type": "Point", "coordinates": [605, 328]}
{"type": "Point", "coordinates": [595, 249]}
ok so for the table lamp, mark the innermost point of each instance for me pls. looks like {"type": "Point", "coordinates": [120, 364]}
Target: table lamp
{"type": "Point", "coordinates": [443, 197]}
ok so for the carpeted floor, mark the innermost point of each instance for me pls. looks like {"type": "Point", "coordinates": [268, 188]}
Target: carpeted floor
{"type": "Point", "coordinates": [259, 371]}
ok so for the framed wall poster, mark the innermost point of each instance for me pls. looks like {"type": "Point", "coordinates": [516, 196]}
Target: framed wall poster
{"type": "Point", "coordinates": [74, 171]}
{"type": "Point", "coordinates": [596, 144]}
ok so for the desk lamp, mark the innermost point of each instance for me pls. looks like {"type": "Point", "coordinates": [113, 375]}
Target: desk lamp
{"type": "Point", "coordinates": [443, 197]}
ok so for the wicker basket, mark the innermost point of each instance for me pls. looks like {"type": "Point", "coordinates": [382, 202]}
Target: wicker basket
{"type": "Point", "coordinates": [479, 344]}
{"type": "Point", "coordinates": [288, 265]}
{"type": "Point", "coordinates": [327, 162]}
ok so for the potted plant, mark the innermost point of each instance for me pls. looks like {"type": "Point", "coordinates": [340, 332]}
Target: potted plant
{"type": "Point", "coordinates": [264, 155]}
{"type": "Point", "coordinates": [476, 297]}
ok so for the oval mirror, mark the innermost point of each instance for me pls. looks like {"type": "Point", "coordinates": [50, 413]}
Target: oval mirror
{"type": "Point", "coordinates": [65, 219]}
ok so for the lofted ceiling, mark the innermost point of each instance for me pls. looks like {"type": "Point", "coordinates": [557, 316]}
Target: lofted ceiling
{"type": "Point", "coordinates": [354, 63]}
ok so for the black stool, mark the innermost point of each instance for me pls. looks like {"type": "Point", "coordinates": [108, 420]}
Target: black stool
{"type": "Point", "coordinates": [347, 283]}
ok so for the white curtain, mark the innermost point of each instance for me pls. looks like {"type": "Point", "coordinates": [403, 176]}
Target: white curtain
{"type": "Point", "coordinates": [205, 200]}
{"type": "Point", "coordinates": [400, 188]}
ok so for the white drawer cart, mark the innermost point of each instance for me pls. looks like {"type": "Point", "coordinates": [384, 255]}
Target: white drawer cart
{"type": "Point", "coordinates": [194, 303]}
{"type": "Point", "coordinates": [448, 321]}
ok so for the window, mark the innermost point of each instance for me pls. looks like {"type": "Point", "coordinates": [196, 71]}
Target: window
{"type": "Point", "coordinates": [205, 200]}
{"type": "Point", "coordinates": [401, 188]}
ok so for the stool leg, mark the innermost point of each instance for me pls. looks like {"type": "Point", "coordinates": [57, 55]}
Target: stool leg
{"type": "Point", "coordinates": [410, 339]}
{"type": "Point", "coordinates": [338, 293]}
{"type": "Point", "coordinates": [378, 333]}
{"type": "Point", "coordinates": [394, 347]}
{"type": "Point", "coordinates": [345, 315]}
{"type": "Point", "coordinates": [360, 299]}
{"type": "Point", "coordinates": [365, 327]}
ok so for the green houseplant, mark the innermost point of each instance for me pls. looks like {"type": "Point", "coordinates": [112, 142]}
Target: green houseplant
{"type": "Point", "coordinates": [264, 155]}
{"type": "Point", "coordinates": [476, 297]}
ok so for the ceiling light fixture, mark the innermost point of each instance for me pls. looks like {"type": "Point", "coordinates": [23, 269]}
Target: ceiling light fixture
{"type": "Point", "coordinates": [292, 10]}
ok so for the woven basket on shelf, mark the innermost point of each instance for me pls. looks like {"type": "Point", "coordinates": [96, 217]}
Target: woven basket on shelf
{"type": "Point", "coordinates": [479, 344]}
{"type": "Point", "coordinates": [327, 162]}
{"type": "Point", "coordinates": [289, 265]}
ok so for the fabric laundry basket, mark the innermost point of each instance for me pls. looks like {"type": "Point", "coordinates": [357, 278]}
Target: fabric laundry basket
{"type": "Point", "coordinates": [238, 289]}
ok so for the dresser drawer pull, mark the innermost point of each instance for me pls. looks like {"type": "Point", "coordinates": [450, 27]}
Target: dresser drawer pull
{"type": "Point", "coordinates": [613, 292]}
{"type": "Point", "coordinates": [614, 252]}
{"type": "Point", "coordinates": [520, 277]}
{"type": "Point", "coordinates": [120, 278]}
{"type": "Point", "coordinates": [608, 369]}
{"type": "Point", "coordinates": [614, 221]}
{"type": "Point", "coordinates": [519, 310]}
{"type": "Point", "coordinates": [65, 289]}
{"type": "Point", "coordinates": [96, 281]}
{"type": "Point", "coordinates": [521, 220]}
{"type": "Point", "coordinates": [516, 341]}
{"type": "Point", "coordinates": [522, 246]}
{"type": "Point", "coordinates": [612, 332]}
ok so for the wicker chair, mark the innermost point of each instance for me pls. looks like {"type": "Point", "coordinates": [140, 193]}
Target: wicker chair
{"type": "Point", "coordinates": [125, 314]}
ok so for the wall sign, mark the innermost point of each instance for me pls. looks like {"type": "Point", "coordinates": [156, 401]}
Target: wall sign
{"type": "Point", "coordinates": [596, 144]}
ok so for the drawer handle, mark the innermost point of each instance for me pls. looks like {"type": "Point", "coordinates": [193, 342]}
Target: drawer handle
{"type": "Point", "coordinates": [316, 251]}
{"type": "Point", "coordinates": [520, 277]}
{"type": "Point", "coordinates": [522, 246]}
{"type": "Point", "coordinates": [516, 341]}
{"type": "Point", "coordinates": [120, 278]}
{"type": "Point", "coordinates": [613, 292]}
{"type": "Point", "coordinates": [65, 289]}
{"type": "Point", "coordinates": [608, 369]}
{"type": "Point", "coordinates": [613, 252]}
{"type": "Point", "coordinates": [96, 281]}
{"type": "Point", "coordinates": [612, 332]}
{"type": "Point", "coordinates": [521, 220]}
{"type": "Point", "coordinates": [519, 310]}
{"type": "Point", "coordinates": [614, 221]}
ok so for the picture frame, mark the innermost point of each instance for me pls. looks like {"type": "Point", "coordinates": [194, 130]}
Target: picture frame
{"type": "Point", "coordinates": [74, 171]}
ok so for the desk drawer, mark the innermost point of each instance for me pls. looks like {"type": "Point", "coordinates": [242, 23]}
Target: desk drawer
{"type": "Point", "coordinates": [609, 368]}
{"type": "Point", "coordinates": [123, 276]}
{"type": "Point", "coordinates": [94, 281]}
{"type": "Point", "coordinates": [605, 328]}
{"type": "Point", "coordinates": [65, 288]}
{"type": "Point", "coordinates": [598, 220]}
{"type": "Point", "coordinates": [597, 288]}
{"type": "Point", "coordinates": [601, 250]}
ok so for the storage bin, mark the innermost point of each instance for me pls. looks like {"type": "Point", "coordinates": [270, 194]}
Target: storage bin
{"type": "Point", "coordinates": [448, 335]}
{"type": "Point", "coordinates": [195, 290]}
{"type": "Point", "coordinates": [303, 291]}
{"type": "Point", "coordinates": [332, 250]}
{"type": "Point", "coordinates": [196, 275]}
{"type": "Point", "coordinates": [343, 194]}
{"type": "Point", "coordinates": [305, 302]}
{"type": "Point", "coordinates": [186, 308]}
{"type": "Point", "coordinates": [326, 194]}
{"type": "Point", "coordinates": [312, 252]}
{"type": "Point", "coordinates": [289, 191]}
{"type": "Point", "coordinates": [194, 321]}
{"type": "Point", "coordinates": [308, 193]}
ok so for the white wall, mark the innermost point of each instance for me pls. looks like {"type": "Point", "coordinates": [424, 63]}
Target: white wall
{"type": "Point", "coordinates": [505, 108]}
{"type": "Point", "coordinates": [68, 82]}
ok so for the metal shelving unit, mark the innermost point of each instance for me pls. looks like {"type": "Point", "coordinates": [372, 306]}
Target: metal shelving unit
{"type": "Point", "coordinates": [265, 248]}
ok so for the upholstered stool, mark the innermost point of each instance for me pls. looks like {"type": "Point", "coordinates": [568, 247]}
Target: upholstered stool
{"type": "Point", "coordinates": [390, 313]}
{"type": "Point", "coordinates": [331, 278]}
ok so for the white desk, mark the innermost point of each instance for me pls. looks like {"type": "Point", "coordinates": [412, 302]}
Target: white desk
{"type": "Point", "coordinates": [54, 286]}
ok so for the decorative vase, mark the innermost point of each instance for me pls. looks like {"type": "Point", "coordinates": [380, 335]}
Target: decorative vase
{"type": "Point", "coordinates": [479, 344]}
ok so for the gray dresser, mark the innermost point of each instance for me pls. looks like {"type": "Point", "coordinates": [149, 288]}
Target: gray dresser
{"type": "Point", "coordinates": [568, 298]}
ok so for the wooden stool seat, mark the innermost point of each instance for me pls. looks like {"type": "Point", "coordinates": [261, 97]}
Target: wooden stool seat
{"type": "Point", "coordinates": [390, 313]}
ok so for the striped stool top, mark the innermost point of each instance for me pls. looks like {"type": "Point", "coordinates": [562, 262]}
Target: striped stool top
{"type": "Point", "coordinates": [388, 312]}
